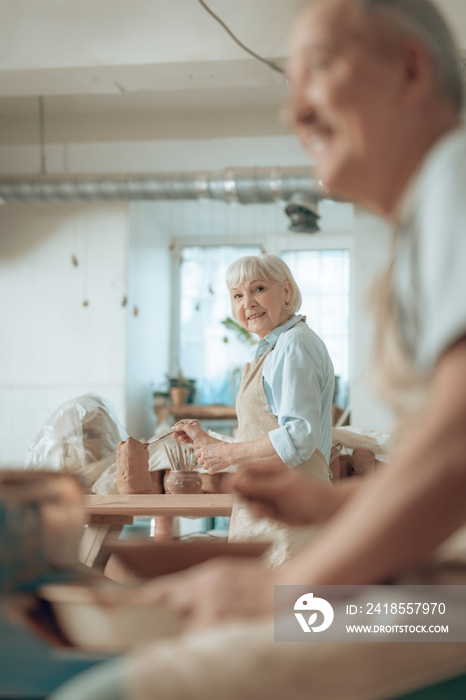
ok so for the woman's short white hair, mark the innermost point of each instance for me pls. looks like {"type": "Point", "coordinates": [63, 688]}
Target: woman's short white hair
{"type": "Point", "coordinates": [422, 20]}
{"type": "Point", "coordinates": [264, 268]}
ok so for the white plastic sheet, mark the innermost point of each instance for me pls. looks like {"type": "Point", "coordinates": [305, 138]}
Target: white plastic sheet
{"type": "Point", "coordinates": [80, 437]}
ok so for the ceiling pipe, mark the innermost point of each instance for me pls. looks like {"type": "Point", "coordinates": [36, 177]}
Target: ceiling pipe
{"type": "Point", "coordinates": [240, 185]}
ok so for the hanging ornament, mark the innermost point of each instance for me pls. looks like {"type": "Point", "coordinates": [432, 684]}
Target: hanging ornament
{"type": "Point", "coordinates": [85, 265]}
{"type": "Point", "coordinates": [134, 259]}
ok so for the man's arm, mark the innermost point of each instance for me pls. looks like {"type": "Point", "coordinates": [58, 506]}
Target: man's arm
{"type": "Point", "coordinates": [404, 511]}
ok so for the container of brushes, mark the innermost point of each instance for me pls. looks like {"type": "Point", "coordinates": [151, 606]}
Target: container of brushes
{"type": "Point", "coordinates": [181, 478]}
{"type": "Point", "coordinates": [183, 481]}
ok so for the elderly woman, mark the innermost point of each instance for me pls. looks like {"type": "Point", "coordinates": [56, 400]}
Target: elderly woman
{"type": "Point", "coordinates": [285, 398]}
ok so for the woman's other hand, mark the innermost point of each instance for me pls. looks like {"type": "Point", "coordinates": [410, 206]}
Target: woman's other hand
{"type": "Point", "coordinates": [211, 454]}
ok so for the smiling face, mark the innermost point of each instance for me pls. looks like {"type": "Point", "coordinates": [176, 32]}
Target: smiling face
{"type": "Point", "coordinates": [347, 96]}
{"type": "Point", "coordinates": [260, 306]}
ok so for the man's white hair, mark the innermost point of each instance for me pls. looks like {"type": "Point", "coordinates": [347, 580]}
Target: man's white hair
{"type": "Point", "coordinates": [264, 268]}
{"type": "Point", "coordinates": [421, 19]}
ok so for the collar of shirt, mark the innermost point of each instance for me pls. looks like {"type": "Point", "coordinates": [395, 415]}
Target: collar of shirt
{"type": "Point", "coordinates": [407, 205]}
{"type": "Point", "coordinates": [271, 339]}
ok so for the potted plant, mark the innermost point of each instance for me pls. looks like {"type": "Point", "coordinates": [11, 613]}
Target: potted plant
{"type": "Point", "coordinates": [181, 389]}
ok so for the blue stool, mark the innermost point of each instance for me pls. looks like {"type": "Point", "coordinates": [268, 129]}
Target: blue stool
{"type": "Point", "coordinates": [452, 689]}
{"type": "Point", "coordinates": [30, 669]}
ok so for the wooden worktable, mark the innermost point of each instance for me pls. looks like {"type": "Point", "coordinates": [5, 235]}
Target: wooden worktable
{"type": "Point", "coordinates": [200, 505]}
{"type": "Point", "coordinates": [107, 515]}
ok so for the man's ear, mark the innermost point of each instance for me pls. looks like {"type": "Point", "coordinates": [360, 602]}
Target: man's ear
{"type": "Point", "coordinates": [418, 70]}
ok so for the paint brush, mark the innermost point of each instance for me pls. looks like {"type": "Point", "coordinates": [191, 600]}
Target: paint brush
{"type": "Point", "coordinates": [160, 437]}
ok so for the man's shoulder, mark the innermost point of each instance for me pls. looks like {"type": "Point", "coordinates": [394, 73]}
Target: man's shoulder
{"type": "Point", "coordinates": [446, 159]}
{"type": "Point", "coordinates": [440, 199]}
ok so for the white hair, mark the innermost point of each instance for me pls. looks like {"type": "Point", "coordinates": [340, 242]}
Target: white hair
{"type": "Point", "coordinates": [265, 268]}
{"type": "Point", "coordinates": [422, 20]}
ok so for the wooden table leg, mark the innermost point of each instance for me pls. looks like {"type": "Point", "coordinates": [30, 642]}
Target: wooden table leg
{"type": "Point", "coordinates": [92, 552]}
{"type": "Point", "coordinates": [163, 527]}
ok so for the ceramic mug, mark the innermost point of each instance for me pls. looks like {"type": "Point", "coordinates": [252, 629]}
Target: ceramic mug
{"type": "Point", "coordinates": [41, 525]}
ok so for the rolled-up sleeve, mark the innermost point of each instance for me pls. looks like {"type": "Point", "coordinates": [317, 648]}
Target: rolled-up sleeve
{"type": "Point", "coordinates": [293, 389]}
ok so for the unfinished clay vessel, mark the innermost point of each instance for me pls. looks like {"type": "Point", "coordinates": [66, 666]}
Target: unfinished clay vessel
{"type": "Point", "coordinates": [183, 482]}
{"type": "Point", "coordinates": [216, 483]}
{"type": "Point", "coordinates": [157, 481]}
{"type": "Point", "coordinates": [132, 467]}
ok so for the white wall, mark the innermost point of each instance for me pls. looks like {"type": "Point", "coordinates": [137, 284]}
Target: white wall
{"type": "Point", "coordinates": [153, 156]}
{"type": "Point", "coordinates": [148, 331]}
{"type": "Point", "coordinates": [53, 348]}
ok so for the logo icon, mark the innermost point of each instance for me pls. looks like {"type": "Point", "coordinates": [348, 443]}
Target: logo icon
{"type": "Point", "coordinates": [309, 604]}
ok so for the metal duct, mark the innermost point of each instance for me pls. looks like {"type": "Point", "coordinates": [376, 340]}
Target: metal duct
{"type": "Point", "coordinates": [242, 185]}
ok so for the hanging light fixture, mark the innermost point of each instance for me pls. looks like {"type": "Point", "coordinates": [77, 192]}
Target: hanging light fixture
{"type": "Point", "coordinates": [302, 211]}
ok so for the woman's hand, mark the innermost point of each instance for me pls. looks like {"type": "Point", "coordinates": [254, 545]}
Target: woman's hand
{"type": "Point", "coordinates": [273, 490]}
{"type": "Point", "coordinates": [211, 454]}
{"type": "Point", "coordinates": [189, 431]}
{"type": "Point", "coordinates": [220, 589]}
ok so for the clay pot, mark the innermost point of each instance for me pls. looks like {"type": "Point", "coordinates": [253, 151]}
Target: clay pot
{"type": "Point", "coordinates": [183, 482]}
{"type": "Point", "coordinates": [216, 483]}
{"type": "Point", "coordinates": [156, 478]}
{"type": "Point", "coordinates": [179, 395]}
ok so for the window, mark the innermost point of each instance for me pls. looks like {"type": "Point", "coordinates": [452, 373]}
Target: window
{"type": "Point", "coordinates": [323, 277]}
{"type": "Point", "coordinates": [209, 352]}
{"type": "Point", "coordinates": [214, 355]}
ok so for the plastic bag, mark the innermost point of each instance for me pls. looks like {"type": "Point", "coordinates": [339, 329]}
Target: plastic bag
{"type": "Point", "coordinates": [356, 437]}
{"type": "Point", "coordinates": [80, 437]}
{"type": "Point", "coordinates": [106, 483]}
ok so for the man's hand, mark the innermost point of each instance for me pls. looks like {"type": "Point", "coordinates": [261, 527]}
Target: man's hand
{"type": "Point", "coordinates": [220, 589]}
{"type": "Point", "coordinates": [273, 490]}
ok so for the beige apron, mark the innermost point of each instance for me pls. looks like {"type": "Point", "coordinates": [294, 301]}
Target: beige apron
{"type": "Point", "coordinates": [255, 421]}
